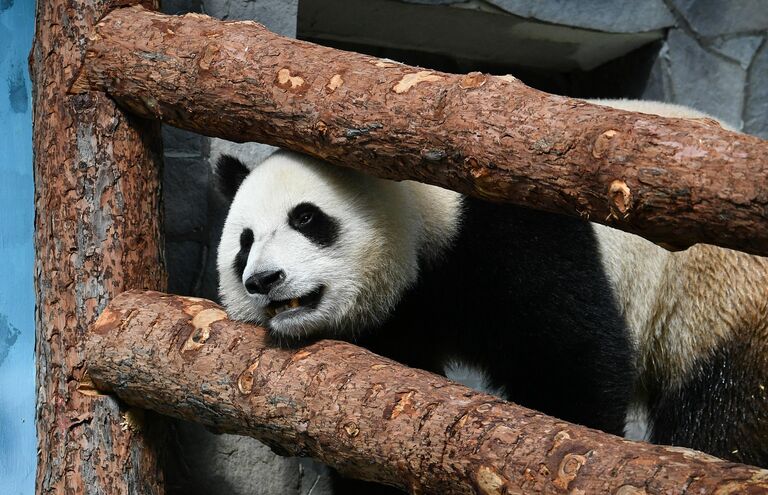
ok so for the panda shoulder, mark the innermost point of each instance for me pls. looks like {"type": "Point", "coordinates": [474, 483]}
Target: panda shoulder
{"type": "Point", "coordinates": [441, 216]}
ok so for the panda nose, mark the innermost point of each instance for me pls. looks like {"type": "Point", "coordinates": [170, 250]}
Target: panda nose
{"type": "Point", "coordinates": [263, 282]}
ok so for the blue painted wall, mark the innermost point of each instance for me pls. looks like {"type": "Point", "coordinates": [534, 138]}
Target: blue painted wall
{"type": "Point", "coordinates": [17, 300]}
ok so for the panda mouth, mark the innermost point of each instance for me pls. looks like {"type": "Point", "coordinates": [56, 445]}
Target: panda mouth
{"type": "Point", "coordinates": [308, 301]}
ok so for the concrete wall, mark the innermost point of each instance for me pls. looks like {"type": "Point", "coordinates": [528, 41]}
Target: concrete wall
{"type": "Point", "coordinates": [17, 298]}
{"type": "Point", "coordinates": [714, 58]}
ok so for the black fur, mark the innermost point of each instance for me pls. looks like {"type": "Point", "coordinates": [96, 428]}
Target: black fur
{"type": "Point", "coordinates": [229, 173]}
{"type": "Point", "coordinates": [314, 224]}
{"type": "Point", "coordinates": [241, 259]}
{"type": "Point", "coordinates": [721, 408]}
{"type": "Point", "coordinates": [523, 296]}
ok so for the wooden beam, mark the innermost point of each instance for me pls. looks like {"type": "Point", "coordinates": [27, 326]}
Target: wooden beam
{"type": "Point", "coordinates": [673, 181]}
{"type": "Point", "coordinates": [97, 233]}
{"type": "Point", "coordinates": [368, 416]}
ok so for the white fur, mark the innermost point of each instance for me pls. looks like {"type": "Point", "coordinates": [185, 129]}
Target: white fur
{"type": "Point", "coordinates": [637, 423]}
{"type": "Point", "coordinates": [384, 225]}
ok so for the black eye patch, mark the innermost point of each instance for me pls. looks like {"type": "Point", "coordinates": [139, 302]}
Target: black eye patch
{"type": "Point", "coordinates": [246, 241]}
{"type": "Point", "coordinates": [312, 222]}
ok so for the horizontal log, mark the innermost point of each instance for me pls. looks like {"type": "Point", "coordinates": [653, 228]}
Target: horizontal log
{"type": "Point", "coordinates": [673, 181]}
{"type": "Point", "coordinates": [368, 416]}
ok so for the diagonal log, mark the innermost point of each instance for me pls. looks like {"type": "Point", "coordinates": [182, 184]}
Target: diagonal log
{"type": "Point", "coordinates": [673, 181]}
{"type": "Point", "coordinates": [371, 417]}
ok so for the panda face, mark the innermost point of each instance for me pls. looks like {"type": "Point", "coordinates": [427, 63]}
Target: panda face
{"type": "Point", "coordinates": [309, 249]}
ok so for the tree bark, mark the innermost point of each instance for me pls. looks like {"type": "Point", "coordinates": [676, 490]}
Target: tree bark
{"type": "Point", "coordinates": [673, 181]}
{"type": "Point", "coordinates": [97, 233]}
{"type": "Point", "coordinates": [368, 416]}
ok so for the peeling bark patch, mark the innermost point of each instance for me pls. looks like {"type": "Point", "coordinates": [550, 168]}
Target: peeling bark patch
{"type": "Point", "coordinates": [335, 83]}
{"type": "Point", "coordinates": [405, 404]}
{"type": "Point", "coordinates": [410, 80]}
{"type": "Point", "coordinates": [8, 336]}
{"type": "Point", "coordinates": [489, 482]}
{"type": "Point", "coordinates": [473, 80]}
{"type": "Point", "coordinates": [620, 199]}
{"type": "Point", "coordinates": [245, 381]}
{"type": "Point", "coordinates": [288, 82]}
{"type": "Point", "coordinates": [206, 317]}
{"type": "Point", "coordinates": [108, 320]}
{"type": "Point", "coordinates": [568, 470]}
{"type": "Point", "coordinates": [202, 322]}
{"type": "Point", "coordinates": [300, 355]}
{"type": "Point", "coordinates": [602, 142]}
{"type": "Point", "coordinates": [193, 309]}
{"type": "Point", "coordinates": [384, 64]}
{"type": "Point", "coordinates": [696, 455]}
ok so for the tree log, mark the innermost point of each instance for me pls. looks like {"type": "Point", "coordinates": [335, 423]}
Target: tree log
{"type": "Point", "coordinates": [370, 417]}
{"type": "Point", "coordinates": [673, 181]}
{"type": "Point", "coordinates": [97, 233]}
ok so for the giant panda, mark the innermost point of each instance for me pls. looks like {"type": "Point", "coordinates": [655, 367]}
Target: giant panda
{"type": "Point", "coordinates": [577, 320]}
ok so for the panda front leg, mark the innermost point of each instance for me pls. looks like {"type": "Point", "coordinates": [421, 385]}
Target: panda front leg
{"type": "Point", "coordinates": [582, 385]}
{"type": "Point", "coordinates": [719, 406]}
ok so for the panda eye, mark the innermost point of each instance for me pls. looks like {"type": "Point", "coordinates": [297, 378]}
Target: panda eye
{"type": "Point", "coordinates": [302, 215]}
{"type": "Point", "coordinates": [304, 218]}
{"type": "Point", "coordinates": [314, 224]}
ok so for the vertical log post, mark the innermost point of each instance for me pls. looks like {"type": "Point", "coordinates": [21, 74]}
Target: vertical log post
{"type": "Point", "coordinates": [97, 233]}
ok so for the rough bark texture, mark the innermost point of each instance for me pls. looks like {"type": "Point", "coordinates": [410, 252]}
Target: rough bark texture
{"type": "Point", "coordinates": [97, 233]}
{"type": "Point", "coordinates": [371, 417]}
{"type": "Point", "coordinates": [672, 181]}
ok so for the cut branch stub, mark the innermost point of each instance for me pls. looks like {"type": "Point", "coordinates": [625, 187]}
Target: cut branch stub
{"type": "Point", "coordinates": [489, 136]}
{"type": "Point", "coordinates": [371, 417]}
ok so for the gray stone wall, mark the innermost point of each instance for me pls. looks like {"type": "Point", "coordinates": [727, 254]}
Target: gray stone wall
{"type": "Point", "coordinates": [714, 58]}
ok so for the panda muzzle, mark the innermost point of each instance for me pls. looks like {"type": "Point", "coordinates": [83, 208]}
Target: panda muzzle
{"type": "Point", "coordinates": [307, 301]}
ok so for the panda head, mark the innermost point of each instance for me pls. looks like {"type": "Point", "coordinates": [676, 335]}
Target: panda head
{"type": "Point", "coordinates": [309, 249]}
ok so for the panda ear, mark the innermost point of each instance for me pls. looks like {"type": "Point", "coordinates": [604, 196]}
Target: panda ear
{"type": "Point", "coordinates": [229, 173]}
